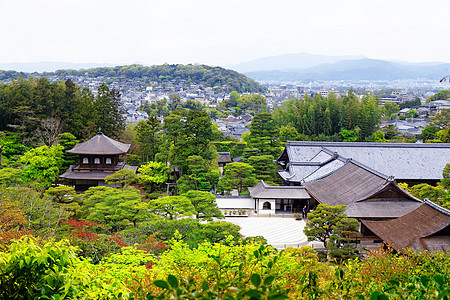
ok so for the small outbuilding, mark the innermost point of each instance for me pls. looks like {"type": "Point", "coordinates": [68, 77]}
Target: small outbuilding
{"type": "Point", "coordinates": [279, 199]}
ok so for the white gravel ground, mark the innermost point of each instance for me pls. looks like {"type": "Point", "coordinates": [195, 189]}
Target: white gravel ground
{"type": "Point", "coordinates": [279, 232]}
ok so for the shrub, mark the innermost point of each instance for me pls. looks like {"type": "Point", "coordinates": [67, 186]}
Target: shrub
{"type": "Point", "coordinates": [32, 271]}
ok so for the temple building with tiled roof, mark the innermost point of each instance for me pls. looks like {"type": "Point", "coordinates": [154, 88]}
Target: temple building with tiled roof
{"type": "Point", "coordinates": [425, 228]}
{"type": "Point", "coordinates": [99, 157]}
{"type": "Point", "coordinates": [278, 199]}
{"type": "Point", "coordinates": [406, 162]}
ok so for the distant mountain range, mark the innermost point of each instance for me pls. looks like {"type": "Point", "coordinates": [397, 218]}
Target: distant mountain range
{"type": "Point", "coordinates": [303, 66]}
{"type": "Point", "coordinates": [292, 67]}
{"type": "Point", "coordinates": [288, 61]}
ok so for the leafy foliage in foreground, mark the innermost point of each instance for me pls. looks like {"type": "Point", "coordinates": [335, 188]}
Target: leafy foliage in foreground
{"type": "Point", "coordinates": [52, 270]}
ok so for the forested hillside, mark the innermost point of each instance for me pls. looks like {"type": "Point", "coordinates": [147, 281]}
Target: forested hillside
{"type": "Point", "coordinates": [198, 74]}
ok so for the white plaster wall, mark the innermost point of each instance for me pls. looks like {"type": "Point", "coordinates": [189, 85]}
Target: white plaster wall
{"type": "Point", "coordinates": [266, 211]}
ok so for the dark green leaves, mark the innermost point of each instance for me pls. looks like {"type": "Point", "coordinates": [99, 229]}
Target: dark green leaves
{"type": "Point", "coordinates": [172, 281]}
{"type": "Point", "coordinates": [161, 284]}
{"type": "Point", "coordinates": [255, 279]}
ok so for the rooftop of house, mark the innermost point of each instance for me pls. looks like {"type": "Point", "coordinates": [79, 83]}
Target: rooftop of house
{"type": "Point", "coordinates": [224, 157]}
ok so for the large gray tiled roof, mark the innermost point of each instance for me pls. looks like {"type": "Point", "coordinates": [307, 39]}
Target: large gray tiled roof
{"type": "Point", "coordinates": [403, 161]}
{"type": "Point", "coordinates": [100, 144]}
{"type": "Point", "coordinates": [297, 172]}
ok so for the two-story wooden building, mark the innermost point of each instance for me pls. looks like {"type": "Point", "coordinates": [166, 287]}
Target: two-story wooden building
{"type": "Point", "coordinates": [99, 157]}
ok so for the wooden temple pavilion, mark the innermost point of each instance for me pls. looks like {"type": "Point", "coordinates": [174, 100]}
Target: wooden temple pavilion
{"type": "Point", "coordinates": [99, 157]}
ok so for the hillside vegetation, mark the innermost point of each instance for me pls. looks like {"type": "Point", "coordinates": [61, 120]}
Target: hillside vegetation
{"type": "Point", "coordinates": [196, 74]}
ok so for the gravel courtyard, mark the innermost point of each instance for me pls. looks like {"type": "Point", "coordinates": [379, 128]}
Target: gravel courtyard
{"type": "Point", "coordinates": [279, 232]}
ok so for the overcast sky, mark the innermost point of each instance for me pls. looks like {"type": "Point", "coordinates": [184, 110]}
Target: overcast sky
{"type": "Point", "coordinates": [220, 32]}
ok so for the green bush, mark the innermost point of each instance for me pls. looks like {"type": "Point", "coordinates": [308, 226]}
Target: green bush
{"type": "Point", "coordinates": [32, 271]}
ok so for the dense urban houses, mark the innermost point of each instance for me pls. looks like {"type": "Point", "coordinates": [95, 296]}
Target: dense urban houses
{"type": "Point", "coordinates": [99, 157]}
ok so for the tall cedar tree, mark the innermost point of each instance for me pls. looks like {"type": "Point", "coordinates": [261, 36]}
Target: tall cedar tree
{"type": "Point", "coordinates": [264, 135]}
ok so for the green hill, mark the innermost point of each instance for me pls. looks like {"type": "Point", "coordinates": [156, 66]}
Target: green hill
{"type": "Point", "coordinates": [197, 74]}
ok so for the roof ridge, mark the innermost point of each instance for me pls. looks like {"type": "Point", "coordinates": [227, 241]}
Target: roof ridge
{"type": "Point", "coordinates": [111, 142]}
{"type": "Point", "coordinates": [383, 186]}
{"type": "Point", "coordinates": [384, 176]}
{"type": "Point", "coordinates": [266, 186]}
{"type": "Point", "coordinates": [288, 177]}
{"type": "Point", "coordinates": [370, 144]}
{"type": "Point", "coordinates": [304, 163]}
{"type": "Point", "coordinates": [437, 207]}
{"type": "Point", "coordinates": [326, 175]}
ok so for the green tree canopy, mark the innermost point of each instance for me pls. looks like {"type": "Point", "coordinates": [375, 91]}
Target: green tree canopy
{"type": "Point", "coordinates": [63, 198]}
{"type": "Point", "coordinates": [441, 95]}
{"type": "Point", "coordinates": [122, 178]}
{"type": "Point", "coordinates": [320, 117]}
{"type": "Point", "coordinates": [264, 135]}
{"type": "Point", "coordinates": [252, 103]}
{"type": "Point", "coordinates": [348, 135]}
{"type": "Point", "coordinates": [232, 102]}
{"type": "Point", "coordinates": [10, 176]}
{"type": "Point", "coordinates": [114, 208]}
{"type": "Point", "coordinates": [442, 119]}
{"type": "Point", "coordinates": [325, 221]}
{"type": "Point", "coordinates": [187, 134]}
{"type": "Point", "coordinates": [378, 137]}
{"type": "Point", "coordinates": [204, 204]}
{"type": "Point", "coordinates": [264, 166]}
{"type": "Point", "coordinates": [154, 173]}
{"type": "Point", "coordinates": [288, 133]}
{"type": "Point", "coordinates": [391, 108]}
{"type": "Point", "coordinates": [149, 137]}
{"type": "Point", "coordinates": [238, 176]}
{"type": "Point", "coordinates": [42, 164]}
{"type": "Point", "coordinates": [445, 181]}
{"type": "Point", "coordinates": [172, 207]}
{"type": "Point", "coordinates": [68, 141]}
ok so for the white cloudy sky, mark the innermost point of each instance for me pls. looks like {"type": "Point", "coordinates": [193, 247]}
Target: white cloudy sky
{"type": "Point", "coordinates": [220, 32]}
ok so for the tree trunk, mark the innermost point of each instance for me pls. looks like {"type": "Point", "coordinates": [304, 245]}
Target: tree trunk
{"type": "Point", "coordinates": [1, 151]}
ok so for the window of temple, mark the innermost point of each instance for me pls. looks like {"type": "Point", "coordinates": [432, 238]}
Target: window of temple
{"type": "Point", "coordinates": [85, 160]}
{"type": "Point", "coordinates": [96, 160]}
{"type": "Point", "coordinates": [266, 205]}
{"type": "Point", "coordinates": [108, 161]}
